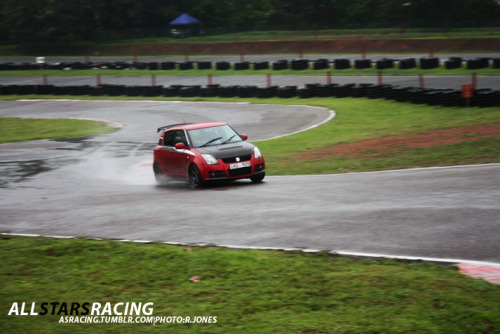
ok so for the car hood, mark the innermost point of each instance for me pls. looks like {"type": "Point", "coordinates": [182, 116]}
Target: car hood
{"type": "Point", "coordinates": [227, 150]}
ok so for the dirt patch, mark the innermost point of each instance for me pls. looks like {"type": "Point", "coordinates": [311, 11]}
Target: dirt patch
{"type": "Point", "coordinates": [391, 145]}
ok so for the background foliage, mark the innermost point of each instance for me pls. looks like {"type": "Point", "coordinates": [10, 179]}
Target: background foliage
{"type": "Point", "coordinates": [32, 22]}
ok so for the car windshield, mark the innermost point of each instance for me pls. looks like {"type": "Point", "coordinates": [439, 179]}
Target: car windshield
{"type": "Point", "coordinates": [216, 135]}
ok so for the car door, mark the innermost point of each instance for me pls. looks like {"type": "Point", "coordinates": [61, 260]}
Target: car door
{"type": "Point", "coordinates": [180, 158]}
{"type": "Point", "coordinates": [164, 153]}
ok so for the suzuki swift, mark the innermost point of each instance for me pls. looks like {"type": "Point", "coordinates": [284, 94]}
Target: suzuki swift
{"type": "Point", "coordinates": [201, 152]}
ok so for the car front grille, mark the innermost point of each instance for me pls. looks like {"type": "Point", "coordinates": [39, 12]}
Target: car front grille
{"type": "Point", "coordinates": [240, 171]}
{"type": "Point", "coordinates": [233, 159]}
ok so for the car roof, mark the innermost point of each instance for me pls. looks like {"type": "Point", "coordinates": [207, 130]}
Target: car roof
{"type": "Point", "coordinates": [190, 126]}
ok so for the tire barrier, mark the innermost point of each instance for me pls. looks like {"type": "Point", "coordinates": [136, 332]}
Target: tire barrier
{"type": "Point", "coordinates": [263, 65]}
{"type": "Point", "coordinates": [321, 64]}
{"type": "Point", "coordinates": [280, 65]}
{"type": "Point", "coordinates": [186, 66]}
{"type": "Point", "coordinates": [445, 97]}
{"type": "Point", "coordinates": [342, 64]}
{"type": "Point", "coordinates": [476, 64]}
{"type": "Point", "coordinates": [429, 63]}
{"type": "Point", "coordinates": [408, 63]}
{"type": "Point", "coordinates": [222, 65]}
{"type": "Point", "coordinates": [287, 92]}
{"type": "Point", "coordinates": [168, 65]}
{"type": "Point", "coordinates": [242, 66]}
{"type": "Point", "coordinates": [453, 62]}
{"type": "Point", "coordinates": [204, 65]}
{"type": "Point", "coordinates": [297, 64]}
{"type": "Point", "coordinates": [300, 64]}
{"type": "Point", "coordinates": [362, 63]}
{"type": "Point", "coordinates": [384, 64]}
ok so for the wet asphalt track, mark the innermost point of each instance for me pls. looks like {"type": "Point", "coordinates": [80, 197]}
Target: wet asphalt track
{"type": "Point", "coordinates": [104, 187]}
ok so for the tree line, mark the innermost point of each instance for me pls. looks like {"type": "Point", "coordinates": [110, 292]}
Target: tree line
{"type": "Point", "coordinates": [76, 21]}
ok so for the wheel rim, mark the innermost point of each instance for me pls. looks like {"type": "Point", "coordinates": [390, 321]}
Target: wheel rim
{"type": "Point", "coordinates": [194, 176]}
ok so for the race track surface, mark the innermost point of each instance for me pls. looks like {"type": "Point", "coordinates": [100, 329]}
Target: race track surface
{"type": "Point", "coordinates": [104, 187]}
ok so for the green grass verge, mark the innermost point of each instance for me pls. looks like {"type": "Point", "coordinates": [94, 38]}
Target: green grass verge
{"type": "Point", "coordinates": [25, 129]}
{"type": "Point", "coordinates": [249, 291]}
{"type": "Point", "coordinates": [361, 118]}
{"type": "Point", "coordinates": [440, 71]}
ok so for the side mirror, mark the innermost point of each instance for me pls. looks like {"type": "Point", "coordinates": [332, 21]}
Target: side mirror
{"type": "Point", "coordinates": [180, 146]}
{"type": "Point", "coordinates": [244, 137]}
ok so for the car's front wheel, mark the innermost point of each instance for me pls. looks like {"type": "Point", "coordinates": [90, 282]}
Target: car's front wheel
{"type": "Point", "coordinates": [257, 178]}
{"type": "Point", "coordinates": [195, 180]}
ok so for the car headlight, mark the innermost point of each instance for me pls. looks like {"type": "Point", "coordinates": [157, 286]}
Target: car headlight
{"type": "Point", "coordinates": [210, 159]}
{"type": "Point", "coordinates": [257, 153]}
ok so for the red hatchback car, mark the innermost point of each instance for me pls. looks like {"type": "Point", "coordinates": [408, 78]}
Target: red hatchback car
{"type": "Point", "coordinates": [200, 152]}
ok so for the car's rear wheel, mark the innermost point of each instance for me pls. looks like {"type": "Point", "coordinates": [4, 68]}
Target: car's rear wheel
{"type": "Point", "coordinates": [195, 180]}
{"type": "Point", "coordinates": [160, 178]}
{"type": "Point", "coordinates": [257, 178]}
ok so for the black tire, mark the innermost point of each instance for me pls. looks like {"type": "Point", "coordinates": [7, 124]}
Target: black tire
{"type": "Point", "coordinates": [160, 178]}
{"type": "Point", "coordinates": [258, 177]}
{"type": "Point", "coordinates": [195, 180]}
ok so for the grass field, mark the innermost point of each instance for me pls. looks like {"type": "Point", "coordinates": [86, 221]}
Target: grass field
{"type": "Point", "coordinates": [25, 129]}
{"type": "Point", "coordinates": [249, 291]}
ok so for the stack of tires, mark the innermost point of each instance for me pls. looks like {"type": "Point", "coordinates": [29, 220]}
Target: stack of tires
{"type": "Point", "coordinates": [451, 98]}
{"type": "Point", "coordinates": [280, 65]}
{"type": "Point", "coordinates": [242, 66]}
{"type": "Point", "coordinates": [479, 63]}
{"type": "Point", "coordinates": [110, 90]}
{"type": "Point", "coordinates": [385, 63]}
{"type": "Point", "coordinates": [287, 91]}
{"type": "Point", "coordinates": [246, 91]}
{"type": "Point", "coordinates": [171, 91]}
{"type": "Point", "coordinates": [222, 65]}
{"type": "Point", "coordinates": [362, 63]}
{"type": "Point", "coordinates": [453, 63]}
{"type": "Point", "coordinates": [263, 65]}
{"type": "Point", "coordinates": [204, 65]}
{"type": "Point", "coordinates": [227, 91]}
{"type": "Point", "coordinates": [300, 64]}
{"type": "Point", "coordinates": [375, 91]}
{"type": "Point", "coordinates": [267, 92]}
{"type": "Point", "coordinates": [189, 91]}
{"type": "Point", "coordinates": [342, 90]}
{"type": "Point", "coordinates": [320, 64]}
{"type": "Point", "coordinates": [209, 91]}
{"type": "Point", "coordinates": [342, 64]}
{"type": "Point", "coordinates": [429, 63]}
{"type": "Point", "coordinates": [487, 98]}
{"type": "Point", "coordinates": [186, 66]}
{"type": "Point", "coordinates": [168, 65]}
{"type": "Point", "coordinates": [407, 63]}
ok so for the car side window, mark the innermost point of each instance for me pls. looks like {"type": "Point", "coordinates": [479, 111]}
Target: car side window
{"type": "Point", "coordinates": [169, 138]}
{"type": "Point", "coordinates": [180, 137]}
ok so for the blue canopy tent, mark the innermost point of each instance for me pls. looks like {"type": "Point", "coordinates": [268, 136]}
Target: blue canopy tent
{"type": "Point", "coordinates": [184, 25]}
